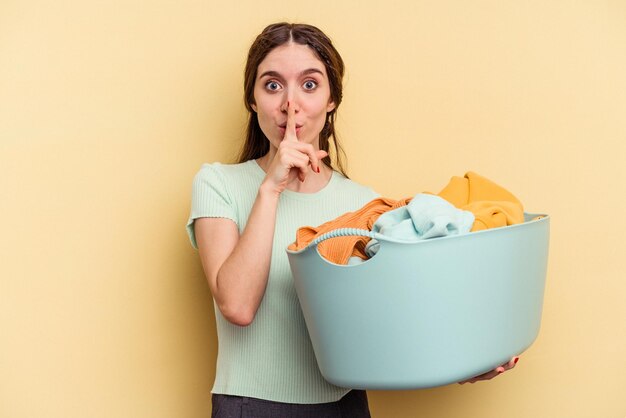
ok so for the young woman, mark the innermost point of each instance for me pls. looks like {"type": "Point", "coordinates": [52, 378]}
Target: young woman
{"type": "Point", "coordinates": [244, 216]}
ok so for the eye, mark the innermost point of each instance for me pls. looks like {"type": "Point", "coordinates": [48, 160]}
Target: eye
{"type": "Point", "coordinates": [272, 86]}
{"type": "Point", "coordinates": [310, 85]}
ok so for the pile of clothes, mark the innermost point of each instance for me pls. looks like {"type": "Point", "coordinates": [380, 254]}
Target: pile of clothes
{"type": "Point", "coordinates": [466, 204]}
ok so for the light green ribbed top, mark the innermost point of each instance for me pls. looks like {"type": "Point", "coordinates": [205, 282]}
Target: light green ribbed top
{"type": "Point", "coordinates": [272, 358]}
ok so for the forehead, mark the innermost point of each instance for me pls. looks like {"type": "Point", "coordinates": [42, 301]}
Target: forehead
{"type": "Point", "coordinates": [291, 58]}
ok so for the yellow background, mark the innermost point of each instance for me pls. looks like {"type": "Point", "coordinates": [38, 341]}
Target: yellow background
{"type": "Point", "coordinates": [108, 108]}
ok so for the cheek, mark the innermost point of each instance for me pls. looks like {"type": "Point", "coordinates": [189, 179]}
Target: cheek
{"type": "Point", "coordinates": [265, 117]}
{"type": "Point", "coordinates": [320, 113]}
{"type": "Point", "coordinates": [263, 111]}
{"type": "Point", "coordinates": [316, 115]}
{"type": "Point", "coordinates": [264, 120]}
{"type": "Point", "coordinates": [267, 106]}
{"type": "Point", "coordinates": [317, 108]}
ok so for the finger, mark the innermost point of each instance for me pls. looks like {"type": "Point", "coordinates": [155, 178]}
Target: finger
{"type": "Point", "coordinates": [303, 172]}
{"type": "Point", "coordinates": [292, 160]}
{"type": "Point", "coordinates": [300, 162]}
{"type": "Point", "coordinates": [321, 154]}
{"type": "Point", "coordinates": [475, 379]}
{"type": "Point", "coordinates": [509, 364]}
{"type": "Point", "coordinates": [298, 172]}
{"type": "Point", "coordinates": [290, 129]}
{"type": "Point", "coordinates": [313, 158]}
{"type": "Point", "coordinates": [487, 376]}
{"type": "Point", "coordinates": [311, 154]}
{"type": "Point", "coordinates": [493, 373]}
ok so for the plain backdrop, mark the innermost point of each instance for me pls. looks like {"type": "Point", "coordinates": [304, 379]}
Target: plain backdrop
{"type": "Point", "coordinates": [108, 109]}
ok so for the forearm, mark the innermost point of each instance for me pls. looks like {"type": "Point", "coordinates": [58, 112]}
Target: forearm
{"type": "Point", "coordinates": [242, 279]}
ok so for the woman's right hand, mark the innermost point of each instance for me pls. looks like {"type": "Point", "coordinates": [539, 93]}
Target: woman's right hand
{"type": "Point", "coordinates": [292, 158]}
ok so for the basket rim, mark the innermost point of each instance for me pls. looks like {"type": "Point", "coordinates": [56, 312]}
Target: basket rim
{"type": "Point", "coordinates": [529, 218]}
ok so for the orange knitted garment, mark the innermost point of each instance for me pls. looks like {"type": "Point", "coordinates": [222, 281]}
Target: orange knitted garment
{"type": "Point", "coordinates": [340, 249]}
{"type": "Point", "coordinates": [492, 206]}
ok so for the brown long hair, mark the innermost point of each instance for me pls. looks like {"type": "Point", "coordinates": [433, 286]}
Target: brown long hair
{"type": "Point", "coordinates": [277, 34]}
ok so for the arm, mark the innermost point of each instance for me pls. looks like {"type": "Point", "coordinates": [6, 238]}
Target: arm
{"type": "Point", "coordinates": [237, 267]}
{"type": "Point", "coordinates": [237, 280]}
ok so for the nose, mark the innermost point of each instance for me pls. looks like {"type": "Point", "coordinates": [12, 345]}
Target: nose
{"type": "Point", "coordinates": [292, 100]}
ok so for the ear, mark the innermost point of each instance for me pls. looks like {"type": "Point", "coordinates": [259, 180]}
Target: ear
{"type": "Point", "coordinates": [330, 107]}
{"type": "Point", "coordinates": [253, 106]}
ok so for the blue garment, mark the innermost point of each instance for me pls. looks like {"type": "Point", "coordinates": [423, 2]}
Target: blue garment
{"type": "Point", "coordinates": [426, 216]}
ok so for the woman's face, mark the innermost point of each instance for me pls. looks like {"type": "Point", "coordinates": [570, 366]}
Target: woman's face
{"type": "Point", "coordinates": [292, 72]}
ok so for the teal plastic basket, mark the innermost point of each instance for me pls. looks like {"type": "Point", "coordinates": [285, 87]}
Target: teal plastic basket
{"type": "Point", "coordinates": [427, 313]}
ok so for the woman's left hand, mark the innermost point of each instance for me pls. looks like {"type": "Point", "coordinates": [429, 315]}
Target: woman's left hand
{"type": "Point", "coordinates": [495, 372]}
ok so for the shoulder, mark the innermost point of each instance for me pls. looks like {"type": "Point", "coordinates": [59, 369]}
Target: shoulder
{"type": "Point", "coordinates": [221, 169]}
{"type": "Point", "coordinates": [346, 185]}
{"type": "Point", "coordinates": [226, 173]}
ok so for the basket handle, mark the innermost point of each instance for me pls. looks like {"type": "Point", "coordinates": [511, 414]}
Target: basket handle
{"type": "Point", "coordinates": [343, 232]}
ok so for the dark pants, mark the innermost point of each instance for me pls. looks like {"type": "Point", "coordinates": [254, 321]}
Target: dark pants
{"type": "Point", "coordinates": [352, 405]}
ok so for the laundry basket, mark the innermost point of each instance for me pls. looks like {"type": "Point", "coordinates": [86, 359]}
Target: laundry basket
{"type": "Point", "coordinates": [426, 313]}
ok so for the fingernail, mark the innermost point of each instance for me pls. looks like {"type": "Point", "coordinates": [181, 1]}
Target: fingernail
{"type": "Point", "coordinates": [516, 360]}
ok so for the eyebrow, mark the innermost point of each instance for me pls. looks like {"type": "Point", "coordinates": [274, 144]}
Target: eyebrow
{"type": "Point", "coordinates": [303, 73]}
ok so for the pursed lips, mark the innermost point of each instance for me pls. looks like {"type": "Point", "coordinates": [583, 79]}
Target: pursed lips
{"type": "Point", "coordinates": [283, 129]}
{"type": "Point", "coordinates": [284, 126]}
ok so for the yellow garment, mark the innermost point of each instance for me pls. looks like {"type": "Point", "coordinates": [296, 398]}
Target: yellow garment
{"type": "Point", "coordinates": [340, 249]}
{"type": "Point", "coordinates": [492, 205]}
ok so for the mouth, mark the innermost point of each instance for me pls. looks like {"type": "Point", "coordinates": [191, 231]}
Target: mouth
{"type": "Point", "coordinates": [284, 125]}
{"type": "Point", "coordinates": [283, 129]}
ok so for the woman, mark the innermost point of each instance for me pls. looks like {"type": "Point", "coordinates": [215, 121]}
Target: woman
{"type": "Point", "coordinates": [244, 215]}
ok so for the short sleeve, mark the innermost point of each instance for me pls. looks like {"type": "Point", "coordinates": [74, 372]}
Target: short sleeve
{"type": "Point", "coordinates": [209, 198]}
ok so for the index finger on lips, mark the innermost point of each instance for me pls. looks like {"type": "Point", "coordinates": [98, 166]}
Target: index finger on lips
{"type": "Point", "coordinates": [290, 129]}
